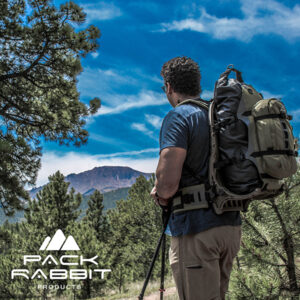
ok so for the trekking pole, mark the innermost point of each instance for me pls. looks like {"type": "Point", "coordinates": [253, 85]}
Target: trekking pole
{"type": "Point", "coordinates": [162, 236]}
{"type": "Point", "coordinates": [162, 272]}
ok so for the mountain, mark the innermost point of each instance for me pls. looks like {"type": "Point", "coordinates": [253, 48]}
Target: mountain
{"type": "Point", "coordinates": [112, 182]}
{"type": "Point", "coordinates": [104, 179]}
{"type": "Point", "coordinates": [109, 202]}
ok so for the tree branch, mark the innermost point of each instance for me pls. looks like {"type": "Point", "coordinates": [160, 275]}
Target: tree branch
{"type": "Point", "coordinates": [263, 260]}
{"type": "Point", "coordinates": [24, 72]}
{"type": "Point", "coordinates": [265, 240]}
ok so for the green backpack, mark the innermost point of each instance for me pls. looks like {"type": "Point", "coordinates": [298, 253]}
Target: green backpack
{"type": "Point", "coordinates": [252, 144]}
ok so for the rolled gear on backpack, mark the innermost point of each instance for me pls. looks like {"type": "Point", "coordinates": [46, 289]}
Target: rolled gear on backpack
{"type": "Point", "coordinates": [252, 144]}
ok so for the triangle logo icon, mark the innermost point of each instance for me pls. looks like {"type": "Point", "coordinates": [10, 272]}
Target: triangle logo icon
{"type": "Point", "coordinates": [70, 244]}
{"type": "Point", "coordinates": [45, 243]}
{"type": "Point", "coordinates": [59, 242]}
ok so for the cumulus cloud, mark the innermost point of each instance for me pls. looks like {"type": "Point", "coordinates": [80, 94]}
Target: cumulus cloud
{"type": "Point", "coordinates": [73, 162]}
{"type": "Point", "coordinates": [101, 11]}
{"type": "Point", "coordinates": [260, 17]}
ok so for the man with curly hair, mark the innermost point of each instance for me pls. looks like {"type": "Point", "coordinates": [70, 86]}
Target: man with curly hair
{"type": "Point", "coordinates": [203, 244]}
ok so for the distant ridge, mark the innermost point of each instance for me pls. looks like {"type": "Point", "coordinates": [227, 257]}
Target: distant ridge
{"type": "Point", "coordinates": [104, 179]}
{"type": "Point", "coordinates": [109, 202]}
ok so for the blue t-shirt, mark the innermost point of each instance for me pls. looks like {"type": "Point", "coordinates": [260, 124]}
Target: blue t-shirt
{"type": "Point", "coordinates": [186, 126]}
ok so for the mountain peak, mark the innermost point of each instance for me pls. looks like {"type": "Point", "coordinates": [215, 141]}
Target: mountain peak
{"type": "Point", "coordinates": [102, 178]}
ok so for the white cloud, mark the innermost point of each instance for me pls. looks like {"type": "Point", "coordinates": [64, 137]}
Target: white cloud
{"type": "Point", "coordinates": [154, 120]}
{"type": "Point", "coordinates": [129, 153]}
{"type": "Point", "coordinates": [106, 139]}
{"type": "Point", "coordinates": [126, 102]}
{"type": "Point", "coordinates": [260, 17]}
{"type": "Point", "coordinates": [268, 95]}
{"type": "Point", "coordinates": [142, 128]}
{"type": "Point", "coordinates": [98, 82]}
{"type": "Point", "coordinates": [207, 95]}
{"type": "Point", "coordinates": [101, 11]}
{"type": "Point", "coordinates": [95, 54]}
{"type": "Point", "coordinates": [73, 162]}
{"type": "Point", "coordinates": [106, 83]}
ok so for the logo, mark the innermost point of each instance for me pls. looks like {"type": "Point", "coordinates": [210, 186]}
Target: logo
{"type": "Point", "coordinates": [85, 266]}
{"type": "Point", "coordinates": [59, 242]}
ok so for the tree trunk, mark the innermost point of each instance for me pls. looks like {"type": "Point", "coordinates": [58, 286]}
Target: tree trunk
{"type": "Point", "coordinates": [88, 289]}
{"type": "Point", "coordinates": [288, 245]}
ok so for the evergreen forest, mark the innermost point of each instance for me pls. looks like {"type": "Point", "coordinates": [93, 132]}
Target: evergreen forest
{"type": "Point", "coordinates": [124, 239]}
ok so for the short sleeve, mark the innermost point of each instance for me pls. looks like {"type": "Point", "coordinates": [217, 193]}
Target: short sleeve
{"type": "Point", "coordinates": [174, 131]}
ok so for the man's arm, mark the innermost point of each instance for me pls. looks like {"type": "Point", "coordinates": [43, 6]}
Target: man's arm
{"type": "Point", "coordinates": [168, 172]}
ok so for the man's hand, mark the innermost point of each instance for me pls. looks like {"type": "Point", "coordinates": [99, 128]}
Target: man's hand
{"type": "Point", "coordinates": [158, 200]}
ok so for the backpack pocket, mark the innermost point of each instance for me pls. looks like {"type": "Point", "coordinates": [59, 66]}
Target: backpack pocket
{"type": "Point", "coordinates": [275, 151]}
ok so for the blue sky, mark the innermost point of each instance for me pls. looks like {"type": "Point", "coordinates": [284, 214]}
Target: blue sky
{"type": "Point", "coordinates": [260, 37]}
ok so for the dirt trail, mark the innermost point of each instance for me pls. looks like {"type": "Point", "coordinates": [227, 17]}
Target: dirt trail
{"type": "Point", "coordinates": [156, 295]}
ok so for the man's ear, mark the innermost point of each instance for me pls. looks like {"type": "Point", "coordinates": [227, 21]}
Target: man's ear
{"type": "Point", "coordinates": [169, 88]}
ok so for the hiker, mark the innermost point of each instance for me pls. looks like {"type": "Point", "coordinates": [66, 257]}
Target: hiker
{"type": "Point", "coordinates": [203, 244]}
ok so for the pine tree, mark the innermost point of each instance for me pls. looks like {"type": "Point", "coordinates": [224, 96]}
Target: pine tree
{"type": "Point", "coordinates": [95, 216]}
{"type": "Point", "coordinates": [136, 226]}
{"type": "Point", "coordinates": [40, 53]}
{"type": "Point", "coordinates": [56, 207]}
{"type": "Point", "coordinates": [268, 263]}
{"type": "Point", "coordinates": [86, 237]}
{"type": "Point", "coordinates": [10, 249]}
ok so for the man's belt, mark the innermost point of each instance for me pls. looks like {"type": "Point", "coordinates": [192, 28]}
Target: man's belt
{"type": "Point", "coordinates": [190, 198]}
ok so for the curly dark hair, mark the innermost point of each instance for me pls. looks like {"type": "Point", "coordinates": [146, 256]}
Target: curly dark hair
{"type": "Point", "coordinates": [183, 74]}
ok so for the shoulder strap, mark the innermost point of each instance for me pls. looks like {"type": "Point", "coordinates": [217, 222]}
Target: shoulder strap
{"type": "Point", "coordinates": [201, 103]}
{"type": "Point", "coordinates": [204, 104]}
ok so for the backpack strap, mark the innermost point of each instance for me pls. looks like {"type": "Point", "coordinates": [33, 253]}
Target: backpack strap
{"type": "Point", "coordinates": [201, 103]}
{"type": "Point", "coordinates": [204, 104]}
{"type": "Point", "coordinates": [230, 69]}
{"type": "Point", "coordinates": [190, 198]}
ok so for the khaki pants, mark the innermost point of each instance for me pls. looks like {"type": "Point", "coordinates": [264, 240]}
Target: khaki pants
{"type": "Point", "coordinates": [201, 263]}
